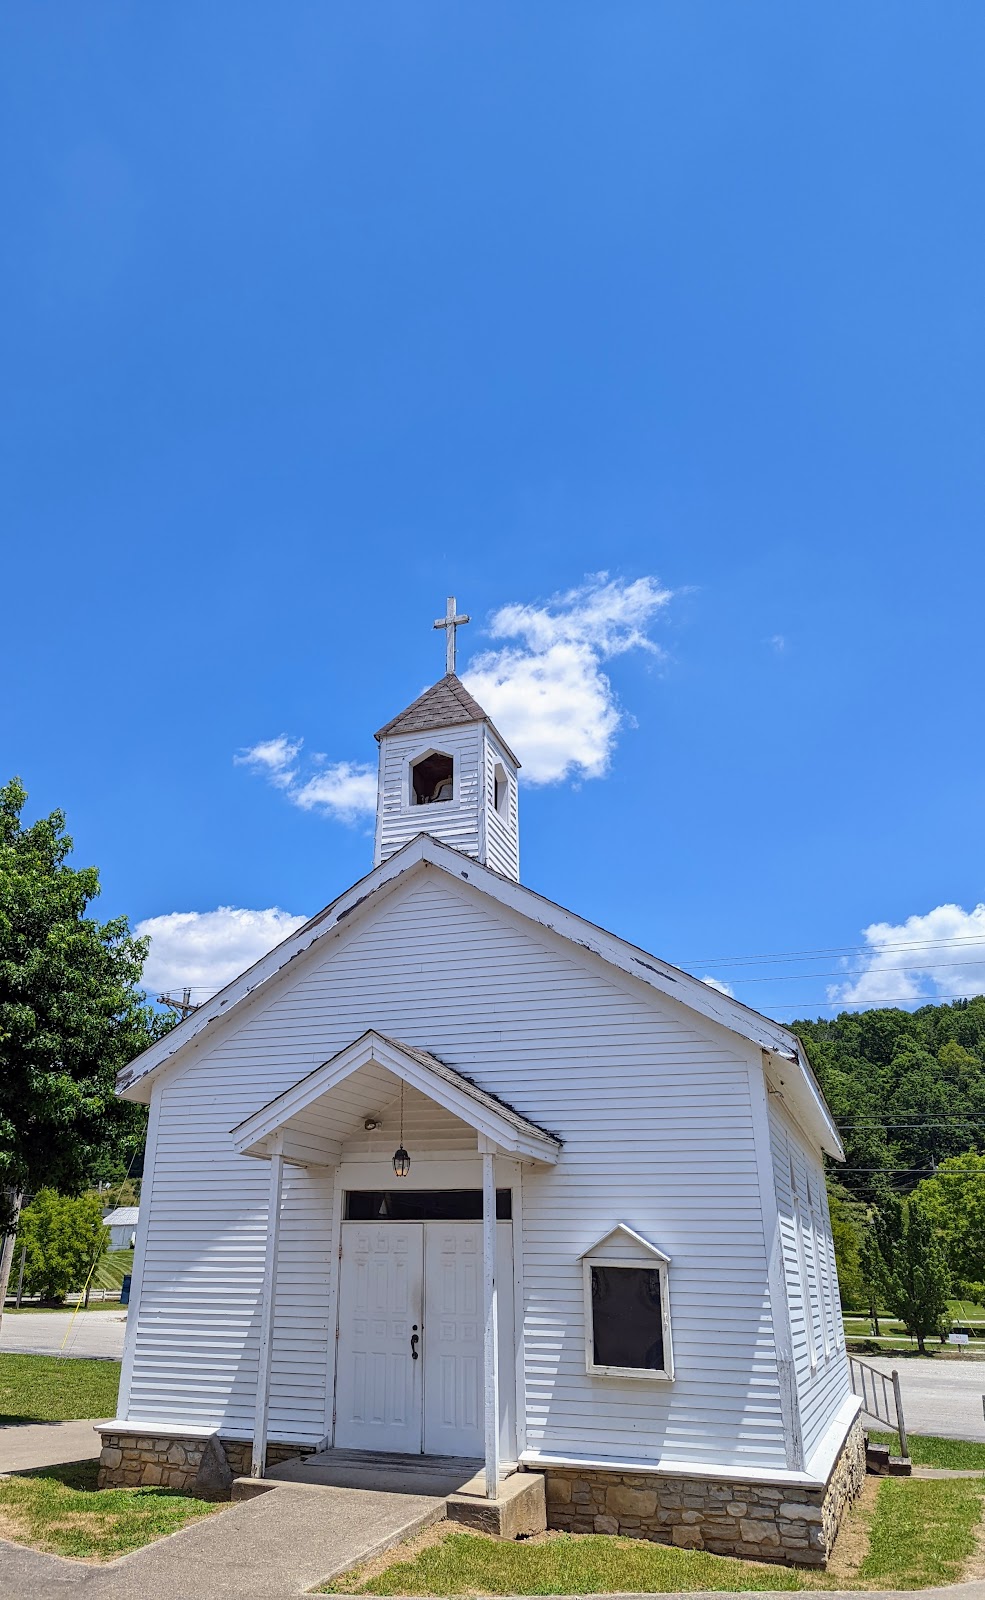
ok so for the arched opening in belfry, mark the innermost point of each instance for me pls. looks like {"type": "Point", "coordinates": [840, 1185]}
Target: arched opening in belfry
{"type": "Point", "coordinates": [432, 779]}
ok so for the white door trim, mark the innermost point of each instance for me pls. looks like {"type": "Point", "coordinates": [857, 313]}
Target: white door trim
{"type": "Point", "coordinates": [511, 1390]}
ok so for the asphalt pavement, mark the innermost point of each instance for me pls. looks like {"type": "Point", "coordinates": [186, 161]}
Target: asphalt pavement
{"type": "Point", "coordinates": [946, 1398]}
{"type": "Point", "coordinates": [55, 1333]}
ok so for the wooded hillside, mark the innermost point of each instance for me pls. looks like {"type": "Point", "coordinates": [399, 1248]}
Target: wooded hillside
{"type": "Point", "coordinates": [907, 1089]}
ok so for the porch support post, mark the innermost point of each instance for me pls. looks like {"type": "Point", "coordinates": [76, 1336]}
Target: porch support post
{"type": "Point", "coordinates": [267, 1296]}
{"type": "Point", "coordinates": [490, 1340]}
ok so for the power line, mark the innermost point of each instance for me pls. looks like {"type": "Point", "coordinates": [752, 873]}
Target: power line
{"type": "Point", "coordinates": [858, 972]}
{"type": "Point", "coordinates": [838, 950]}
{"type": "Point", "coordinates": [914, 1127]}
{"type": "Point", "coordinates": [877, 1005]}
{"type": "Point", "coordinates": [184, 1006]}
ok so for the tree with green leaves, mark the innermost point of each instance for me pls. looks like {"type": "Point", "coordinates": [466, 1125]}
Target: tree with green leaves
{"type": "Point", "coordinates": [918, 1283]}
{"type": "Point", "coordinates": [955, 1202]}
{"type": "Point", "coordinates": [872, 1270]}
{"type": "Point", "coordinates": [71, 1016]}
{"type": "Point", "coordinates": [64, 1239]}
{"type": "Point", "coordinates": [907, 1088]}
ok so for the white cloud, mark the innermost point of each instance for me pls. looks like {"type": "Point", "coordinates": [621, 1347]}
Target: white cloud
{"type": "Point", "coordinates": [207, 949]}
{"type": "Point", "coordinates": [547, 692]}
{"type": "Point", "coordinates": [948, 940]}
{"type": "Point", "coordinates": [716, 983]}
{"type": "Point", "coordinates": [545, 689]}
{"type": "Point", "coordinates": [276, 759]}
{"type": "Point", "coordinates": [779, 643]}
{"type": "Point", "coordinates": [345, 789]}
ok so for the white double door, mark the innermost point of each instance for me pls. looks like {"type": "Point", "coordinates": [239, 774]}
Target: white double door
{"type": "Point", "coordinates": [409, 1375]}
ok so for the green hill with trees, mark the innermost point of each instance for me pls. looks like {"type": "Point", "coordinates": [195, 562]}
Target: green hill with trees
{"type": "Point", "coordinates": [907, 1090]}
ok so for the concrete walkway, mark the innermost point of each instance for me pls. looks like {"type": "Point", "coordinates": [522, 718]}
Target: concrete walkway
{"type": "Point", "coordinates": [46, 1444]}
{"type": "Point", "coordinates": [53, 1333]}
{"type": "Point", "coordinates": [275, 1547]}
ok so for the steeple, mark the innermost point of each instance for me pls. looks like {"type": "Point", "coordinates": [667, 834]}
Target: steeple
{"type": "Point", "coordinates": [446, 770]}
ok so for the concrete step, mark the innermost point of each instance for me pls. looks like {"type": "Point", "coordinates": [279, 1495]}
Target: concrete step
{"type": "Point", "coordinates": [519, 1509]}
{"type": "Point", "coordinates": [881, 1464]}
{"type": "Point", "coordinates": [456, 1487]}
{"type": "Point", "coordinates": [390, 1474]}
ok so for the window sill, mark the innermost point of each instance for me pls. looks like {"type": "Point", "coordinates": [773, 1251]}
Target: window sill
{"type": "Point", "coordinates": [644, 1374]}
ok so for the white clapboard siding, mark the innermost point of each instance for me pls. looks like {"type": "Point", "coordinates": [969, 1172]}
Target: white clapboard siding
{"type": "Point", "coordinates": [502, 832]}
{"type": "Point", "coordinates": [455, 821]}
{"type": "Point", "coordinates": [469, 822]}
{"type": "Point", "coordinates": [820, 1363]}
{"type": "Point", "coordinates": [652, 1103]}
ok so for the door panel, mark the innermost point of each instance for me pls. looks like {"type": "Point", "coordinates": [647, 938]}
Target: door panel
{"type": "Point", "coordinates": [453, 1360]}
{"type": "Point", "coordinates": [379, 1393]}
{"type": "Point", "coordinates": [395, 1277]}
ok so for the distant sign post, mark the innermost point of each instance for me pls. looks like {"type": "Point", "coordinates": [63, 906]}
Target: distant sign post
{"type": "Point", "coordinates": [957, 1338]}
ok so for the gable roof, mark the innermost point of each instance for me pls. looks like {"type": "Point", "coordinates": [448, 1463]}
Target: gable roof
{"type": "Point", "coordinates": [447, 704]}
{"type": "Point", "coordinates": [486, 1113]}
{"type": "Point", "coordinates": [629, 1236]}
{"type": "Point", "coordinates": [426, 852]}
{"type": "Point", "coordinates": [122, 1217]}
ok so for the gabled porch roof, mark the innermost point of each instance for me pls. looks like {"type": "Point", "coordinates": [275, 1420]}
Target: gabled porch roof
{"type": "Point", "coordinates": [312, 1120]}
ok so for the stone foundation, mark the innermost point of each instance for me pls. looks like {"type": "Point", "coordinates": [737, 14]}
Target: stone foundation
{"type": "Point", "coordinates": [131, 1459]}
{"type": "Point", "coordinates": [783, 1523]}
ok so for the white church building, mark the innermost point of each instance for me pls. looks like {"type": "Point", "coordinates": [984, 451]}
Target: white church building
{"type": "Point", "coordinates": [478, 1179]}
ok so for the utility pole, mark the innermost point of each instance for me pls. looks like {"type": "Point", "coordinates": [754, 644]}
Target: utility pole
{"type": "Point", "coordinates": [183, 1006]}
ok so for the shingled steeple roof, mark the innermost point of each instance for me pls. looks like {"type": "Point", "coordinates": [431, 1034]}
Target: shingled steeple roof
{"type": "Point", "coordinates": [446, 704]}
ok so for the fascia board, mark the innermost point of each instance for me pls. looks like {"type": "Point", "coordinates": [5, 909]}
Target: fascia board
{"type": "Point", "coordinates": [275, 961]}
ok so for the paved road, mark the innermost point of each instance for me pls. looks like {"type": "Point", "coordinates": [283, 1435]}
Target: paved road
{"type": "Point", "coordinates": [940, 1397]}
{"type": "Point", "coordinates": [53, 1333]}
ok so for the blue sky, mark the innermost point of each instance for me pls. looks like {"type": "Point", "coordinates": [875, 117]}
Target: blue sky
{"type": "Point", "coordinates": [316, 314]}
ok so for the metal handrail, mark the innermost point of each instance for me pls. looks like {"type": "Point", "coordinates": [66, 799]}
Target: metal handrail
{"type": "Point", "coordinates": [872, 1386]}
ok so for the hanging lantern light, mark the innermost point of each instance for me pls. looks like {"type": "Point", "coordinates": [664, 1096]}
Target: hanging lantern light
{"type": "Point", "coordinates": [401, 1160]}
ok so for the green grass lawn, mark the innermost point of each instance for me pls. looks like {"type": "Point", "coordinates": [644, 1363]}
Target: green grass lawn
{"type": "Point", "coordinates": [925, 1451]}
{"type": "Point", "coordinates": [112, 1268]}
{"type": "Point", "coordinates": [60, 1510]}
{"type": "Point", "coordinates": [919, 1533]}
{"type": "Point", "coordinates": [56, 1388]}
{"type": "Point", "coordinates": [922, 1533]}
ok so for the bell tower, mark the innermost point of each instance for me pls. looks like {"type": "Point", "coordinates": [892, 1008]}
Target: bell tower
{"type": "Point", "coordinates": [446, 770]}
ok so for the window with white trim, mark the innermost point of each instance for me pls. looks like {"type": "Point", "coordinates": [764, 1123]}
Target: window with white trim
{"type": "Point", "coordinates": [627, 1314]}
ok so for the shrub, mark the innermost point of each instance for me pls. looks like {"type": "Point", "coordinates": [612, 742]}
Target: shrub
{"type": "Point", "coordinates": [65, 1238]}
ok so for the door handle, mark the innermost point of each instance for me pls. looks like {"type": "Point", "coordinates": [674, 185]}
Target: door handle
{"type": "Point", "coordinates": [413, 1346]}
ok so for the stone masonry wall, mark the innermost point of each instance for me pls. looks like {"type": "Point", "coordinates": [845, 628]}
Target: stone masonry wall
{"type": "Point", "coordinates": [785, 1523]}
{"type": "Point", "coordinates": [129, 1460]}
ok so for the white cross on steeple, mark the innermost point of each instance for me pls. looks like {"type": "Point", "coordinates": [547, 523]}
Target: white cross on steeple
{"type": "Point", "coordinates": [450, 621]}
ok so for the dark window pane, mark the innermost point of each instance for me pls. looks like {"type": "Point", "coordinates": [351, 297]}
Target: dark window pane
{"type": "Point", "coordinates": [423, 1205]}
{"type": "Point", "coordinates": [628, 1328]}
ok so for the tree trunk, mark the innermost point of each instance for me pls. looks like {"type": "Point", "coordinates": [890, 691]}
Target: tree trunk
{"type": "Point", "coordinates": [921, 1344]}
{"type": "Point", "coordinates": [7, 1254]}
